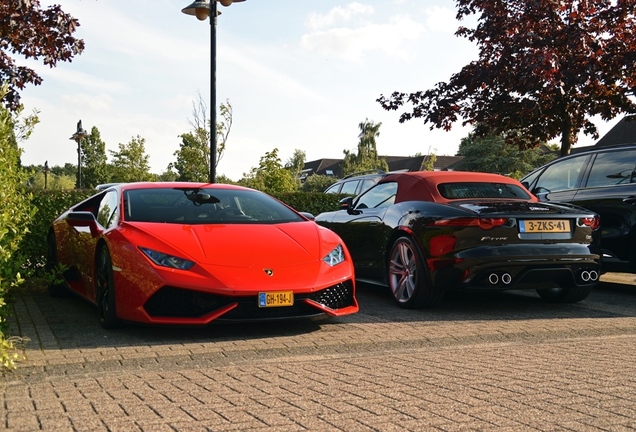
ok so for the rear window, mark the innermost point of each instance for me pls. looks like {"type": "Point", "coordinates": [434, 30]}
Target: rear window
{"type": "Point", "coordinates": [482, 190]}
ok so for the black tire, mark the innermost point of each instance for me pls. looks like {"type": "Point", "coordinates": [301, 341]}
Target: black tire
{"type": "Point", "coordinates": [408, 277]}
{"type": "Point", "coordinates": [571, 294]}
{"type": "Point", "coordinates": [55, 283]}
{"type": "Point", "coordinates": [105, 290]}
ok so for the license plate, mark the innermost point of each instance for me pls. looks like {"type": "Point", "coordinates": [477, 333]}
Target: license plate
{"type": "Point", "coordinates": [276, 299]}
{"type": "Point", "coordinates": [544, 226]}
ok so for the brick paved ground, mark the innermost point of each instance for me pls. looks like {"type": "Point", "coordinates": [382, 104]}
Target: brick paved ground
{"type": "Point", "coordinates": [518, 365]}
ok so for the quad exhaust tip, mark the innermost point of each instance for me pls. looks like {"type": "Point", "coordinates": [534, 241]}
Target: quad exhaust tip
{"type": "Point", "coordinates": [506, 278]}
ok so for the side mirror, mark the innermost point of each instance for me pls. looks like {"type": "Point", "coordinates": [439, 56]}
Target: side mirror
{"type": "Point", "coordinates": [308, 215]}
{"type": "Point", "coordinates": [80, 218]}
{"type": "Point", "coordinates": [346, 203]}
{"type": "Point", "coordinates": [83, 219]}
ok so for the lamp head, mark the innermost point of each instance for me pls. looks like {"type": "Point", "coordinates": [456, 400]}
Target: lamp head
{"type": "Point", "coordinates": [198, 8]}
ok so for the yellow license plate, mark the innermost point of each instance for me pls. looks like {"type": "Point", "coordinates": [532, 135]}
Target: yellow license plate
{"type": "Point", "coordinates": [544, 226]}
{"type": "Point", "coordinates": [276, 299]}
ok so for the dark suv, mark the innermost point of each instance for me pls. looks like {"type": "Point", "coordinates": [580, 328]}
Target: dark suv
{"type": "Point", "coordinates": [355, 184]}
{"type": "Point", "coordinates": [603, 180]}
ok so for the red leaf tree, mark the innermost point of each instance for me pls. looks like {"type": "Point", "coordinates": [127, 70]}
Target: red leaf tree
{"type": "Point", "coordinates": [545, 68]}
{"type": "Point", "coordinates": [32, 32]}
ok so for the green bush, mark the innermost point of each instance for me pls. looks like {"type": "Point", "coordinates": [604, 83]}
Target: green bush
{"type": "Point", "coordinates": [311, 202]}
{"type": "Point", "coordinates": [15, 215]}
{"type": "Point", "coordinates": [49, 204]}
{"type": "Point", "coordinates": [317, 183]}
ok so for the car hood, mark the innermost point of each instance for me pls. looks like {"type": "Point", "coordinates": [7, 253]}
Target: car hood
{"type": "Point", "coordinates": [235, 245]}
{"type": "Point", "coordinates": [516, 207]}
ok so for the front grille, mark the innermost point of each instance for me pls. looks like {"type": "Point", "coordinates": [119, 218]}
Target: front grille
{"type": "Point", "coordinates": [335, 297]}
{"type": "Point", "coordinates": [178, 302]}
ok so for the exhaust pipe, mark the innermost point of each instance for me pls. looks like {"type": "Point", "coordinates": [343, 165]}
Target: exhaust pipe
{"type": "Point", "coordinates": [589, 275]}
{"type": "Point", "coordinates": [494, 278]}
{"type": "Point", "coordinates": [585, 275]}
{"type": "Point", "coordinates": [506, 278]}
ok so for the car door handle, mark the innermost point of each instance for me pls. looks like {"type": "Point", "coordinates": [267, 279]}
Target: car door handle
{"type": "Point", "coordinates": [630, 200]}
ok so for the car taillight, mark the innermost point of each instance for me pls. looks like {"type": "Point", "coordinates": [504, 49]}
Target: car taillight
{"type": "Point", "coordinates": [483, 223]}
{"type": "Point", "coordinates": [592, 222]}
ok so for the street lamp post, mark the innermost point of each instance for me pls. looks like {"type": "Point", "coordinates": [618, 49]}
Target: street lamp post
{"type": "Point", "coordinates": [203, 9]}
{"type": "Point", "coordinates": [77, 137]}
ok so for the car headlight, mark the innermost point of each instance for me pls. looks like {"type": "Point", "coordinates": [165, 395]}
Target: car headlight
{"type": "Point", "coordinates": [165, 260]}
{"type": "Point", "coordinates": [334, 257]}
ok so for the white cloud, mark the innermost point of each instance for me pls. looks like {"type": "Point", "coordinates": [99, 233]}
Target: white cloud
{"type": "Point", "coordinates": [351, 43]}
{"type": "Point", "coordinates": [83, 80]}
{"type": "Point", "coordinates": [441, 19]}
{"type": "Point", "coordinates": [243, 59]}
{"type": "Point", "coordinates": [337, 14]}
{"type": "Point", "coordinates": [100, 102]}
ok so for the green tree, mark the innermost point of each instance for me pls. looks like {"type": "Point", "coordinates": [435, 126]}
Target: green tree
{"type": "Point", "coordinates": [34, 33]}
{"type": "Point", "coordinates": [94, 162]}
{"type": "Point", "coordinates": [492, 154]}
{"type": "Point", "coordinates": [545, 68]}
{"type": "Point", "coordinates": [192, 162]}
{"type": "Point", "coordinates": [295, 165]}
{"type": "Point", "coordinates": [223, 129]}
{"type": "Point", "coordinates": [225, 179]}
{"type": "Point", "coordinates": [270, 176]}
{"type": "Point", "coordinates": [59, 181]}
{"type": "Point", "coordinates": [428, 163]}
{"type": "Point", "coordinates": [167, 175]}
{"type": "Point", "coordinates": [367, 157]}
{"type": "Point", "coordinates": [68, 169]}
{"type": "Point", "coordinates": [130, 163]}
{"type": "Point", "coordinates": [51, 181]}
{"type": "Point", "coordinates": [193, 155]}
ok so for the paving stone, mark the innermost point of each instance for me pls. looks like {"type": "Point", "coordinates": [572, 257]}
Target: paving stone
{"type": "Point", "coordinates": [507, 364]}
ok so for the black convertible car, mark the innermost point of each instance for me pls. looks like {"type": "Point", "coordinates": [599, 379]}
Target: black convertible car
{"type": "Point", "coordinates": [422, 233]}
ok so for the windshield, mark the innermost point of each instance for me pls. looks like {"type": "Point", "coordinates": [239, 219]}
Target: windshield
{"type": "Point", "coordinates": [204, 206]}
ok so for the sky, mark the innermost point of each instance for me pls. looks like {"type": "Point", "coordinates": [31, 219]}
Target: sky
{"type": "Point", "coordinates": [300, 75]}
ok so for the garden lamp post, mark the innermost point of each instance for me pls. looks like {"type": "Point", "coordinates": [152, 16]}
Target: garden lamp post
{"type": "Point", "coordinates": [203, 9]}
{"type": "Point", "coordinates": [77, 137]}
{"type": "Point", "coordinates": [46, 171]}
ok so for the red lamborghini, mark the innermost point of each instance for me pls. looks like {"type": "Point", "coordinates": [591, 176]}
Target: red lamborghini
{"type": "Point", "coordinates": [191, 253]}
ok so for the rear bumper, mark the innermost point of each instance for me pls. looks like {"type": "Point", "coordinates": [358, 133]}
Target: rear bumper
{"type": "Point", "coordinates": [519, 274]}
